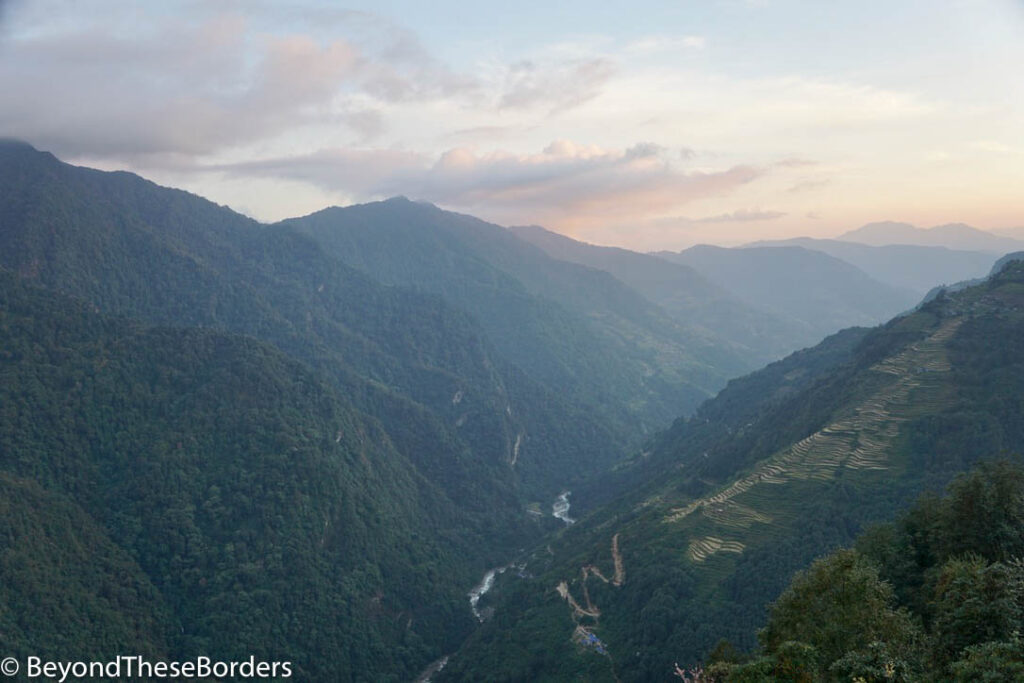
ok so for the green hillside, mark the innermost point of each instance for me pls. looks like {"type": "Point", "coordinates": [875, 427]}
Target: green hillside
{"type": "Point", "coordinates": [458, 447]}
{"type": "Point", "coordinates": [834, 438]}
{"type": "Point", "coordinates": [182, 492]}
{"type": "Point", "coordinates": [466, 416]}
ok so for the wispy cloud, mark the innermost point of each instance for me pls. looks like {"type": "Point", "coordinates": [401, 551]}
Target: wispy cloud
{"type": "Point", "coordinates": [565, 184]}
{"type": "Point", "coordinates": [807, 186]}
{"type": "Point", "coordinates": [554, 87]}
{"type": "Point", "coordinates": [742, 216]}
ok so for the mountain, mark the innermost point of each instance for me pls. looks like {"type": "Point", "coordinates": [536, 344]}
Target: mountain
{"type": "Point", "coordinates": [457, 447]}
{"type": "Point", "coordinates": [822, 293]}
{"type": "Point", "coordinates": [682, 292]}
{"type": "Point", "coordinates": [408, 358]}
{"type": "Point", "coordinates": [567, 326]}
{"type": "Point", "coordinates": [784, 465]}
{"type": "Point", "coordinates": [951, 236]}
{"type": "Point", "coordinates": [903, 266]}
{"type": "Point", "coordinates": [964, 284]}
{"type": "Point", "coordinates": [1016, 233]}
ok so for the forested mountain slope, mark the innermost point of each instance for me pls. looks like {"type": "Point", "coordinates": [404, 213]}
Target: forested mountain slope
{"type": "Point", "coordinates": [466, 417]}
{"type": "Point", "coordinates": [783, 466]}
{"type": "Point", "coordinates": [460, 444]}
{"type": "Point", "coordinates": [183, 492]}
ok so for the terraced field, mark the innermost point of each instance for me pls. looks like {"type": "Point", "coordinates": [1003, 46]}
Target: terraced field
{"type": "Point", "coordinates": [702, 547]}
{"type": "Point", "coordinates": [859, 440]}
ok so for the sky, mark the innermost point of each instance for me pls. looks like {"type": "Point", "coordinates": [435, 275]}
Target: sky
{"type": "Point", "coordinates": [643, 124]}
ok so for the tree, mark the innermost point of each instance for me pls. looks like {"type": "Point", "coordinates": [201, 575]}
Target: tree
{"type": "Point", "coordinates": [984, 513]}
{"type": "Point", "coordinates": [839, 606]}
{"type": "Point", "coordinates": [975, 603]}
{"type": "Point", "coordinates": [996, 662]}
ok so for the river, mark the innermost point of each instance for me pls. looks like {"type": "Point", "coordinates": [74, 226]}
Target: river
{"type": "Point", "coordinates": [481, 589]}
{"type": "Point", "coordinates": [560, 508]}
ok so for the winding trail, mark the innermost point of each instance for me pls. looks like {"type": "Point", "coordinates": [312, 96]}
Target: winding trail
{"type": "Point", "coordinates": [577, 611]}
{"type": "Point", "coordinates": [591, 610]}
{"type": "Point", "coordinates": [620, 569]}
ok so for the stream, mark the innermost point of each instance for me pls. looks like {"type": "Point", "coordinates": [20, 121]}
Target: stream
{"type": "Point", "coordinates": [481, 589]}
{"type": "Point", "coordinates": [435, 667]}
{"type": "Point", "coordinates": [560, 508]}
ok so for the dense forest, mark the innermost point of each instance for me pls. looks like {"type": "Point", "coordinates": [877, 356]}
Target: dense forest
{"type": "Point", "coordinates": [180, 491]}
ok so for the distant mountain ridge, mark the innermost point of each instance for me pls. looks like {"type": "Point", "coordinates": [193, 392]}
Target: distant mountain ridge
{"type": "Point", "coordinates": [912, 267]}
{"type": "Point", "coordinates": [950, 235]}
{"type": "Point", "coordinates": [821, 292]}
{"type": "Point", "coordinates": [680, 290]}
{"type": "Point", "coordinates": [165, 256]}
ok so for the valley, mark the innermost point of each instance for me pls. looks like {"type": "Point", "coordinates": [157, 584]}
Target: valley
{"type": "Point", "coordinates": [712, 558]}
{"type": "Point", "coordinates": [622, 342]}
{"type": "Point", "coordinates": [445, 433]}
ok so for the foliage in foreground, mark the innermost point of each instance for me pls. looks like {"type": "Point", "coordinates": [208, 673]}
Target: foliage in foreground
{"type": "Point", "coordinates": [937, 595]}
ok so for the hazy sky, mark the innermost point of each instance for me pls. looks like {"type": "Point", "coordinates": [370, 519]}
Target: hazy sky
{"type": "Point", "coordinates": [643, 124]}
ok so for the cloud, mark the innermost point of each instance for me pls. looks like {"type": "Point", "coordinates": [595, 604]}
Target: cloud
{"type": "Point", "coordinates": [190, 90]}
{"type": "Point", "coordinates": [794, 162]}
{"type": "Point", "coordinates": [991, 146]}
{"type": "Point", "coordinates": [200, 80]}
{"type": "Point", "coordinates": [566, 184]}
{"type": "Point", "coordinates": [355, 172]}
{"type": "Point", "coordinates": [205, 80]}
{"type": "Point", "coordinates": [807, 186]}
{"type": "Point", "coordinates": [742, 216]}
{"type": "Point", "coordinates": [555, 87]}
